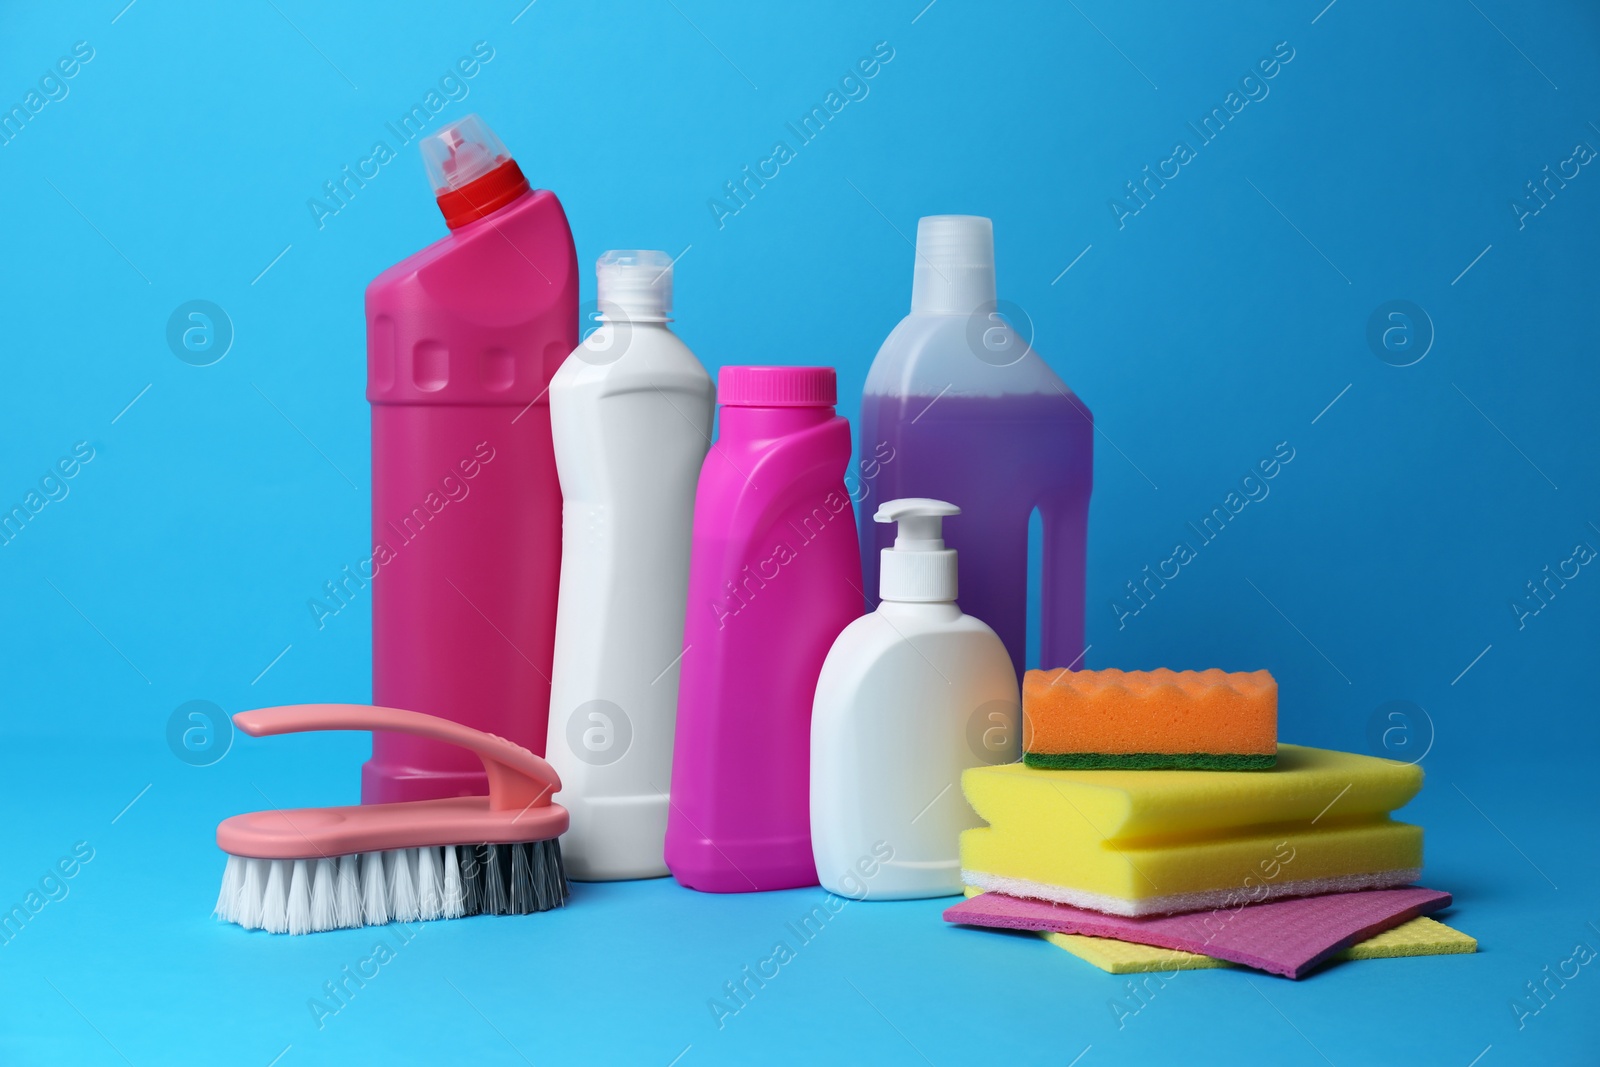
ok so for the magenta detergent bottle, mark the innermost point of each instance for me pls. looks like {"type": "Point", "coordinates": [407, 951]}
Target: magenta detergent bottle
{"type": "Point", "coordinates": [774, 576]}
{"type": "Point", "coordinates": [959, 407]}
{"type": "Point", "coordinates": [462, 339]}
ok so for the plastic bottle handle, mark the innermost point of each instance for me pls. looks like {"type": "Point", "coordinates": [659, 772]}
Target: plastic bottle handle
{"type": "Point", "coordinates": [1062, 582]}
{"type": "Point", "coordinates": [517, 778]}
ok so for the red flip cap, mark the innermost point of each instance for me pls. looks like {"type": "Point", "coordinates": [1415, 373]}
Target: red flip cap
{"type": "Point", "coordinates": [483, 196]}
{"type": "Point", "coordinates": [472, 174]}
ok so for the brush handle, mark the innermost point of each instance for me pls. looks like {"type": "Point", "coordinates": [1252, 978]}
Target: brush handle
{"type": "Point", "coordinates": [517, 778]}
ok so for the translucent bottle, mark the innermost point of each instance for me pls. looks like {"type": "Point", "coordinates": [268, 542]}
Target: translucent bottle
{"type": "Point", "coordinates": [958, 406]}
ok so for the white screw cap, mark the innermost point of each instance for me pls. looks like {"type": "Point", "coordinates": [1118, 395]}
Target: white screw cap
{"type": "Point", "coordinates": [635, 282]}
{"type": "Point", "coordinates": [954, 272]}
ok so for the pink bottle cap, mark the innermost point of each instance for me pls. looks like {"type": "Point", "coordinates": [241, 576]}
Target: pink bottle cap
{"type": "Point", "coordinates": [777, 387]}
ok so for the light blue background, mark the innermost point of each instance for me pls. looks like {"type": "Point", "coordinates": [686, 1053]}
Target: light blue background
{"type": "Point", "coordinates": [1223, 318]}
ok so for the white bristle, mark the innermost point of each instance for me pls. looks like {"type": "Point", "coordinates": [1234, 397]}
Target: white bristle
{"type": "Point", "coordinates": [232, 882]}
{"type": "Point", "coordinates": [300, 897]}
{"type": "Point", "coordinates": [455, 901]}
{"type": "Point", "coordinates": [251, 892]}
{"type": "Point", "coordinates": [275, 903]}
{"type": "Point", "coordinates": [374, 896]}
{"type": "Point", "coordinates": [347, 901]}
{"type": "Point", "coordinates": [403, 886]}
{"type": "Point", "coordinates": [430, 890]}
{"type": "Point", "coordinates": [324, 890]}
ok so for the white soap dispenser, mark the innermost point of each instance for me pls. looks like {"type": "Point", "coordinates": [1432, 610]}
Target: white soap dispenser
{"type": "Point", "coordinates": [909, 697]}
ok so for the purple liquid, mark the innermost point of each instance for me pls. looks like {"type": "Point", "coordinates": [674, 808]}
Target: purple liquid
{"type": "Point", "coordinates": [996, 458]}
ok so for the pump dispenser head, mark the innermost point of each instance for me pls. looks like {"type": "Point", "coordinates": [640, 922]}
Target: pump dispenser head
{"type": "Point", "coordinates": [954, 272]}
{"type": "Point", "coordinates": [918, 569]}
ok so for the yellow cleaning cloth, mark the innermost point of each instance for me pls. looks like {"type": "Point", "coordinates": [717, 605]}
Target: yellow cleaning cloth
{"type": "Point", "coordinates": [1421, 936]}
{"type": "Point", "coordinates": [1140, 842]}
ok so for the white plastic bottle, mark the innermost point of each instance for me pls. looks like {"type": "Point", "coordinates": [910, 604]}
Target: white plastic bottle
{"type": "Point", "coordinates": [631, 412]}
{"type": "Point", "coordinates": [909, 697]}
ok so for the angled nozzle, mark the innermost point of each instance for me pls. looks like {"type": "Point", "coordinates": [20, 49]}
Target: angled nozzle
{"type": "Point", "coordinates": [471, 172]}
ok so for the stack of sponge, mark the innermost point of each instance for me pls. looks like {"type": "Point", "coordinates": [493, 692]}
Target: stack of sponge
{"type": "Point", "coordinates": [1150, 794]}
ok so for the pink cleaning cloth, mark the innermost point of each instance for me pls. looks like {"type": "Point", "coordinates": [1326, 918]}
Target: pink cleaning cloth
{"type": "Point", "coordinates": [1287, 937]}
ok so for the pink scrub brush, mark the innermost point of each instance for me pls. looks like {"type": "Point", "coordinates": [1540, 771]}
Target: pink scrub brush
{"type": "Point", "coordinates": [313, 869]}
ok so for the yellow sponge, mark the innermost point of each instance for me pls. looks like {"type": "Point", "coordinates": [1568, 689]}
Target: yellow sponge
{"type": "Point", "coordinates": [1421, 936]}
{"type": "Point", "coordinates": [1128, 957]}
{"type": "Point", "coordinates": [1134, 842]}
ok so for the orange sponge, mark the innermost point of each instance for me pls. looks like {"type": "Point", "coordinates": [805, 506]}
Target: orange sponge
{"type": "Point", "coordinates": [1197, 720]}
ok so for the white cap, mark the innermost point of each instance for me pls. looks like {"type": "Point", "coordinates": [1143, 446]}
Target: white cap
{"type": "Point", "coordinates": [954, 273]}
{"type": "Point", "coordinates": [635, 282]}
{"type": "Point", "coordinates": [918, 569]}
{"type": "Point", "coordinates": [461, 153]}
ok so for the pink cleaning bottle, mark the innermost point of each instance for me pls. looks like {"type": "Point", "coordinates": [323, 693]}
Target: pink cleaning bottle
{"type": "Point", "coordinates": [462, 339]}
{"type": "Point", "coordinates": [774, 576]}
